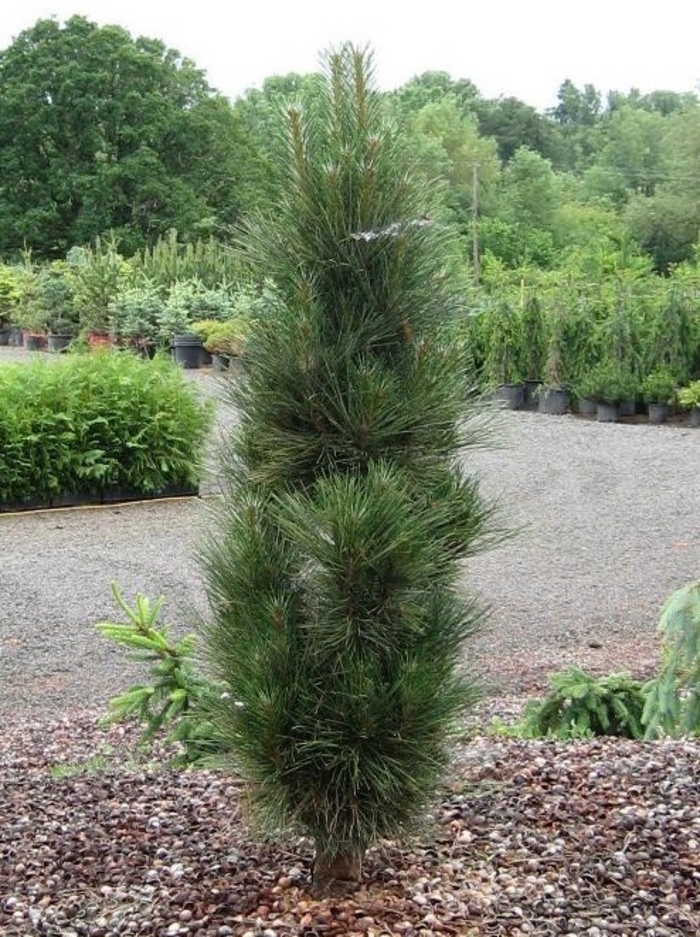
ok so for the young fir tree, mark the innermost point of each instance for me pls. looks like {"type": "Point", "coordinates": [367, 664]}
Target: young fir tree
{"type": "Point", "coordinates": [337, 621]}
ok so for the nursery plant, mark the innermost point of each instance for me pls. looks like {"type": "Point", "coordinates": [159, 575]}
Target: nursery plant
{"type": "Point", "coordinates": [689, 396]}
{"type": "Point", "coordinates": [174, 699]}
{"type": "Point", "coordinates": [580, 705]}
{"type": "Point", "coordinates": [97, 273]}
{"type": "Point", "coordinates": [673, 697]}
{"type": "Point", "coordinates": [228, 338]}
{"type": "Point", "coordinates": [673, 332]}
{"type": "Point", "coordinates": [92, 423]}
{"type": "Point", "coordinates": [212, 263]}
{"type": "Point", "coordinates": [504, 348]}
{"type": "Point", "coordinates": [659, 386]}
{"type": "Point", "coordinates": [337, 622]}
{"type": "Point", "coordinates": [611, 382]}
{"type": "Point", "coordinates": [135, 312]}
{"type": "Point", "coordinates": [534, 339]}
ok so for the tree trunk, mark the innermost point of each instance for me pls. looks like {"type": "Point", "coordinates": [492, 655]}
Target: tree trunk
{"type": "Point", "coordinates": [337, 871]}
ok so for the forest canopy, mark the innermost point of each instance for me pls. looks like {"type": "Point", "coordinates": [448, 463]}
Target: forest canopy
{"type": "Point", "coordinates": [105, 134]}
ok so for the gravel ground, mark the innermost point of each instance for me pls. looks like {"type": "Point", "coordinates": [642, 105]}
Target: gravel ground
{"type": "Point", "coordinates": [609, 518]}
{"type": "Point", "coordinates": [589, 838]}
{"type": "Point", "coordinates": [593, 838]}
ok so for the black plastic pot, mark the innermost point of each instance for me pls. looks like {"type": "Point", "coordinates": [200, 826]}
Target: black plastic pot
{"type": "Point", "coordinates": [553, 401]}
{"type": "Point", "coordinates": [658, 413]}
{"type": "Point", "coordinates": [59, 342]}
{"type": "Point", "coordinates": [187, 350]}
{"type": "Point", "coordinates": [34, 342]}
{"type": "Point", "coordinates": [219, 362]}
{"type": "Point", "coordinates": [513, 395]}
{"type": "Point", "coordinates": [608, 412]}
{"type": "Point", "coordinates": [587, 407]}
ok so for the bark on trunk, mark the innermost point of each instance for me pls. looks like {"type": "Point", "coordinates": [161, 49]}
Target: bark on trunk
{"type": "Point", "coordinates": [337, 871]}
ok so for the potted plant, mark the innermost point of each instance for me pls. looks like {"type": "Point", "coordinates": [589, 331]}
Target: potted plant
{"type": "Point", "coordinates": [175, 329]}
{"type": "Point", "coordinates": [204, 328]}
{"type": "Point", "coordinates": [32, 318]}
{"type": "Point", "coordinates": [611, 382]}
{"type": "Point", "coordinates": [584, 390]}
{"type": "Point", "coordinates": [226, 342]}
{"type": "Point", "coordinates": [689, 399]}
{"type": "Point", "coordinates": [97, 273]}
{"type": "Point", "coordinates": [552, 395]}
{"type": "Point", "coordinates": [534, 346]}
{"type": "Point", "coordinates": [503, 355]}
{"type": "Point", "coordinates": [54, 294]}
{"type": "Point", "coordinates": [134, 317]}
{"type": "Point", "coordinates": [658, 393]}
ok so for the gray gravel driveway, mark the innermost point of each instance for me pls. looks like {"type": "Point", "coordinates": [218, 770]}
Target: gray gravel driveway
{"type": "Point", "coordinates": [610, 517]}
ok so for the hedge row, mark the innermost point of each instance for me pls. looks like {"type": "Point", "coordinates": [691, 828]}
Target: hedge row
{"type": "Point", "coordinates": [88, 425]}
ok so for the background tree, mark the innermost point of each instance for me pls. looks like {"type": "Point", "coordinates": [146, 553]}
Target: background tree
{"type": "Point", "coordinates": [432, 88]}
{"type": "Point", "coordinates": [101, 132]}
{"type": "Point", "coordinates": [261, 112]}
{"type": "Point", "coordinates": [337, 620]}
{"type": "Point", "coordinates": [447, 148]}
{"type": "Point", "coordinates": [578, 115]}
{"type": "Point", "coordinates": [513, 124]}
{"type": "Point", "coordinates": [666, 223]}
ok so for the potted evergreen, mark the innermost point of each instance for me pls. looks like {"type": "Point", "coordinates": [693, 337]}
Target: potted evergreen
{"type": "Point", "coordinates": [612, 383]}
{"type": "Point", "coordinates": [553, 395]}
{"type": "Point", "coordinates": [534, 347]}
{"type": "Point", "coordinates": [97, 274]}
{"type": "Point", "coordinates": [584, 391]}
{"type": "Point", "coordinates": [659, 393]}
{"type": "Point", "coordinates": [504, 354]}
{"type": "Point", "coordinates": [689, 399]}
{"type": "Point", "coordinates": [134, 317]}
{"type": "Point", "coordinates": [225, 342]}
{"type": "Point", "coordinates": [175, 329]}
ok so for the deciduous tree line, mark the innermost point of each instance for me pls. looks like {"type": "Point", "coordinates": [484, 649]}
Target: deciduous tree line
{"type": "Point", "coordinates": [101, 132]}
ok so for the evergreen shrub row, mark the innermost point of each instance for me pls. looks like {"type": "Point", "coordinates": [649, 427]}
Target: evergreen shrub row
{"type": "Point", "coordinates": [90, 424]}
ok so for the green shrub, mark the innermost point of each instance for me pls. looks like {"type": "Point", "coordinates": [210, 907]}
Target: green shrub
{"type": "Point", "coordinates": [504, 345]}
{"type": "Point", "coordinates": [10, 292]}
{"type": "Point", "coordinates": [189, 301]}
{"type": "Point", "coordinates": [534, 339]}
{"type": "Point", "coordinates": [689, 396]}
{"type": "Point", "coordinates": [97, 274]}
{"type": "Point", "coordinates": [673, 697]}
{"type": "Point", "coordinates": [228, 338]}
{"type": "Point", "coordinates": [135, 312]}
{"type": "Point", "coordinates": [88, 423]}
{"type": "Point", "coordinates": [612, 382]}
{"type": "Point", "coordinates": [581, 706]}
{"type": "Point", "coordinates": [659, 386]}
{"type": "Point", "coordinates": [176, 698]}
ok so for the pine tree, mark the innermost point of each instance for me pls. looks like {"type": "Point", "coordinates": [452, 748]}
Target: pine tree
{"type": "Point", "coordinates": [337, 621]}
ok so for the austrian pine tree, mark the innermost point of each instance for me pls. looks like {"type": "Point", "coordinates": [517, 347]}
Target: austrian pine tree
{"type": "Point", "coordinates": [337, 620]}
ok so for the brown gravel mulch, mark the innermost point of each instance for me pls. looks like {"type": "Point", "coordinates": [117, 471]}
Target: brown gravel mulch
{"type": "Point", "coordinates": [596, 837]}
{"type": "Point", "coordinates": [588, 838]}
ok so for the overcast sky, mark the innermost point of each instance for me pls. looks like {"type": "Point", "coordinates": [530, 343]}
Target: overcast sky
{"type": "Point", "coordinates": [524, 48]}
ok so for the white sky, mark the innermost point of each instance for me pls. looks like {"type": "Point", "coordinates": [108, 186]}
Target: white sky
{"type": "Point", "coordinates": [524, 48]}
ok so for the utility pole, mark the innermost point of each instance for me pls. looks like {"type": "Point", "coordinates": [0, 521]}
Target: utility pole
{"type": "Point", "coordinates": [475, 222]}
